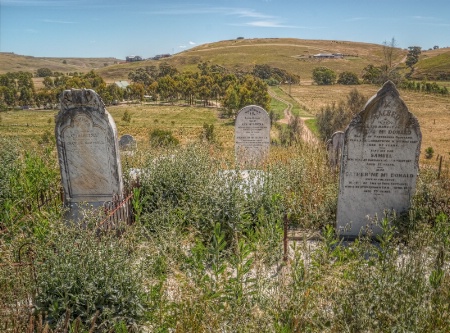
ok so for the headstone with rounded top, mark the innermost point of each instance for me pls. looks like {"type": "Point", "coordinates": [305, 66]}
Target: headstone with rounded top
{"type": "Point", "coordinates": [252, 136]}
{"type": "Point", "coordinates": [127, 143]}
{"type": "Point", "coordinates": [88, 152]}
{"type": "Point", "coordinates": [334, 149]}
{"type": "Point", "coordinates": [380, 163]}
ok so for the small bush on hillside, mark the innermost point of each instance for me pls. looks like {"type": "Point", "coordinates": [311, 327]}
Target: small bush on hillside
{"type": "Point", "coordinates": [348, 78]}
{"type": "Point", "coordinates": [208, 133]}
{"type": "Point", "coordinates": [429, 152]}
{"type": "Point", "coordinates": [163, 138]}
{"type": "Point", "coordinates": [323, 76]}
{"type": "Point", "coordinates": [126, 117]}
{"type": "Point", "coordinates": [44, 72]}
{"type": "Point", "coordinates": [336, 116]}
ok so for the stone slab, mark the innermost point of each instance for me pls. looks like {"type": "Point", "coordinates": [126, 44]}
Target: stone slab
{"type": "Point", "coordinates": [334, 149]}
{"type": "Point", "coordinates": [252, 136]}
{"type": "Point", "coordinates": [88, 152]}
{"type": "Point", "coordinates": [127, 142]}
{"type": "Point", "coordinates": [380, 163]}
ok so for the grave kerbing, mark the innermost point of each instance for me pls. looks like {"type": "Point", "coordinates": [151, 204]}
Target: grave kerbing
{"type": "Point", "coordinates": [88, 152]}
{"type": "Point", "coordinates": [380, 163]}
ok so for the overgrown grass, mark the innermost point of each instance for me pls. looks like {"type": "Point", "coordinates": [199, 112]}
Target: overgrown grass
{"type": "Point", "coordinates": [205, 254]}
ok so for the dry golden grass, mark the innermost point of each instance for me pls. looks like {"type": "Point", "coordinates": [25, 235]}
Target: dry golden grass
{"type": "Point", "coordinates": [186, 123]}
{"type": "Point", "coordinates": [432, 111]}
{"type": "Point", "coordinates": [289, 54]}
{"type": "Point", "coordinates": [10, 62]}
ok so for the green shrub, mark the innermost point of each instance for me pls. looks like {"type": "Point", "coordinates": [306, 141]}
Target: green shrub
{"type": "Point", "coordinates": [429, 153]}
{"type": "Point", "coordinates": [348, 78]}
{"type": "Point", "coordinates": [163, 138]}
{"type": "Point", "coordinates": [91, 275]}
{"type": "Point", "coordinates": [323, 76]}
{"type": "Point", "coordinates": [126, 117]}
{"type": "Point", "coordinates": [336, 116]}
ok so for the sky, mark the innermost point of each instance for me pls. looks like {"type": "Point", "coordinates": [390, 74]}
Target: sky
{"type": "Point", "coordinates": [120, 28]}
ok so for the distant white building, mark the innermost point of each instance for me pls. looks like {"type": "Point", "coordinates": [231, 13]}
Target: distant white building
{"type": "Point", "coordinates": [122, 84]}
{"type": "Point", "coordinates": [133, 58]}
{"type": "Point", "coordinates": [328, 56]}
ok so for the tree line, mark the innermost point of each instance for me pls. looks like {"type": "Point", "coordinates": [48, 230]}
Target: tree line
{"type": "Point", "coordinates": [372, 74]}
{"type": "Point", "coordinates": [210, 85]}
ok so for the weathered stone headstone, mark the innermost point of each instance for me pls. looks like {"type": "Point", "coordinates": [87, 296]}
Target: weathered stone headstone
{"type": "Point", "coordinates": [252, 136]}
{"type": "Point", "coordinates": [380, 162]}
{"type": "Point", "coordinates": [334, 148]}
{"type": "Point", "coordinates": [88, 152]}
{"type": "Point", "coordinates": [127, 142]}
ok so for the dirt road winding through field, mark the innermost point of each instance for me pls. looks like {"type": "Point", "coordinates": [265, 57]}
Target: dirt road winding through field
{"type": "Point", "coordinates": [306, 134]}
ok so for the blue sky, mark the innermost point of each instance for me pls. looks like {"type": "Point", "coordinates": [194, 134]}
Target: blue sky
{"type": "Point", "coordinates": [117, 28]}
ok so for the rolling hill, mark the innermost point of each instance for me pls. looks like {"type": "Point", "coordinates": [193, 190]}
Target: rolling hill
{"type": "Point", "coordinates": [293, 55]}
{"type": "Point", "coordinates": [10, 62]}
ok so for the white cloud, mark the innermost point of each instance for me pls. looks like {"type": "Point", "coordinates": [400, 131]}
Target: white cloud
{"type": "Point", "coordinates": [182, 46]}
{"type": "Point", "coordinates": [425, 18]}
{"type": "Point", "coordinates": [354, 19]}
{"type": "Point", "coordinates": [192, 43]}
{"type": "Point", "coordinates": [268, 24]}
{"type": "Point", "coordinates": [40, 3]}
{"type": "Point", "coordinates": [57, 21]}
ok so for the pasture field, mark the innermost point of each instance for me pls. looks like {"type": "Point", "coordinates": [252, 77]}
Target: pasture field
{"type": "Point", "coordinates": [432, 111]}
{"type": "Point", "coordinates": [186, 122]}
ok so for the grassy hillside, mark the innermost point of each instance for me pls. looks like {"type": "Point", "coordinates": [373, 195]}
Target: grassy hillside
{"type": "Point", "coordinates": [293, 55]}
{"type": "Point", "coordinates": [10, 62]}
{"type": "Point", "coordinates": [432, 64]}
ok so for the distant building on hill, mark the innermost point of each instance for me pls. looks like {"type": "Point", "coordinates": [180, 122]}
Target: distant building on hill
{"type": "Point", "coordinates": [133, 58]}
{"type": "Point", "coordinates": [160, 56]}
{"type": "Point", "coordinates": [122, 84]}
{"type": "Point", "coordinates": [328, 56]}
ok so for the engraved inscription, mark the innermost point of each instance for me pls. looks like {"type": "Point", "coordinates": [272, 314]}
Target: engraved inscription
{"type": "Point", "coordinates": [87, 159]}
{"type": "Point", "coordinates": [252, 134]}
{"type": "Point", "coordinates": [380, 162]}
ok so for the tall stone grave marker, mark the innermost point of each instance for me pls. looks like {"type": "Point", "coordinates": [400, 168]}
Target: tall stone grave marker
{"type": "Point", "coordinates": [88, 152]}
{"type": "Point", "coordinates": [380, 162]}
{"type": "Point", "coordinates": [252, 136]}
{"type": "Point", "coordinates": [334, 149]}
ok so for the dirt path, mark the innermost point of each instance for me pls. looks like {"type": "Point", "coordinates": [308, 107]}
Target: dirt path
{"type": "Point", "coordinates": [306, 134]}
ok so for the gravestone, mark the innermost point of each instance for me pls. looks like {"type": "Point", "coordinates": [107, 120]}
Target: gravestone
{"type": "Point", "coordinates": [334, 149]}
{"type": "Point", "coordinates": [252, 136]}
{"type": "Point", "coordinates": [380, 162]}
{"type": "Point", "coordinates": [127, 142]}
{"type": "Point", "coordinates": [88, 152]}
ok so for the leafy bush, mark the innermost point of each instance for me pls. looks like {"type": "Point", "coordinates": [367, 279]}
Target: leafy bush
{"type": "Point", "coordinates": [208, 133]}
{"type": "Point", "coordinates": [323, 76]}
{"type": "Point", "coordinates": [348, 78]}
{"type": "Point", "coordinates": [93, 276]}
{"type": "Point", "coordinates": [336, 116]}
{"type": "Point", "coordinates": [126, 117]}
{"type": "Point", "coordinates": [44, 72]}
{"type": "Point", "coordinates": [163, 138]}
{"type": "Point", "coordinates": [429, 152]}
